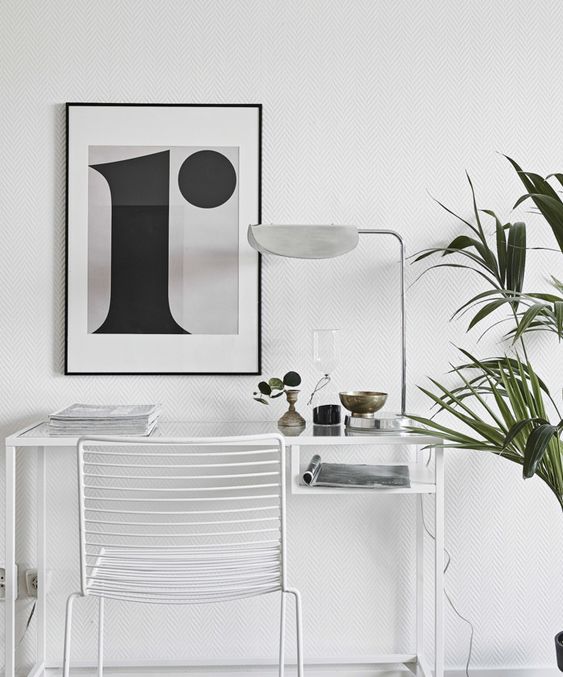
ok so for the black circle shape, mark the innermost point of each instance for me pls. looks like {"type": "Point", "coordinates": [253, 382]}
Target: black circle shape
{"type": "Point", "coordinates": [207, 179]}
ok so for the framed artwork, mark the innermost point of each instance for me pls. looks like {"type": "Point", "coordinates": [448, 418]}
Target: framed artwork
{"type": "Point", "coordinates": [160, 276]}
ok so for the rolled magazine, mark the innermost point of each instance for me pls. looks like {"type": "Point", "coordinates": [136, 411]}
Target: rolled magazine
{"type": "Point", "coordinates": [355, 475]}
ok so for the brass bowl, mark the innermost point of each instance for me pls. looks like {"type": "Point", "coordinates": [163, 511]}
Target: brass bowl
{"type": "Point", "coordinates": [363, 401]}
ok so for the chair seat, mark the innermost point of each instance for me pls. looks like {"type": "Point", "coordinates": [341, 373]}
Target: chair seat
{"type": "Point", "coordinates": [184, 575]}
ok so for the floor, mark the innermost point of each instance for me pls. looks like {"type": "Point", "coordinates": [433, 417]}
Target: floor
{"type": "Point", "coordinates": [358, 671]}
{"type": "Point", "coordinates": [215, 672]}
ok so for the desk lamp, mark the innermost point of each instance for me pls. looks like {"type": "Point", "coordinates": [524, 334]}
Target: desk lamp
{"type": "Point", "coordinates": [326, 242]}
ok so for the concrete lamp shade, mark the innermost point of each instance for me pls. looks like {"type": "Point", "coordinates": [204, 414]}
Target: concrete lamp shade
{"type": "Point", "coordinates": [303, 242]}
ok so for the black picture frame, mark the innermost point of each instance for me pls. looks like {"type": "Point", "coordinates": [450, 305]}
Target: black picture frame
{"type": "Point", "coordinates": [68, 370]}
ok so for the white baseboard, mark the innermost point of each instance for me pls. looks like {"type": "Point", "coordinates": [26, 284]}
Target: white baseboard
{"type": "Point", "coordinates": [506, 672]}
{"type": "Point", "coordinates": [312, 671]}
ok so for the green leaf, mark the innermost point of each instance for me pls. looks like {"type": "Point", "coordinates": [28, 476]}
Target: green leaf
{"type": "Point", "coordinates": [516, 258]}
{"type": "Point", "coordinates": [475, 210]}
{"type": "Point", "coordinates": [550, 298]}
{"type": "Point", "coordinates": [535, 408]}
{"type": "Point", "coordinates": [264, 388]}
{"type": "Point", "coordinates": [490, 280]}
{"type": "Point", "coordinates": [457, 216]}
{"type": "Point", "coordinates": [501, 245]}
{"type": "Point", "coordinates": [494, 365]}
{"type": "Point", "coordinates": [476, 257]}
{"type": "Point", "coordinates": [557, 284]}
{"type": "Point", "coordinates": [536, 447]}
{"type": "Point", "coordinates": [558, 176]}
{"type": "Point", "coordinates": [521, 173]}
{"type": "Point", "coordinates": [528, 317]}
{"type": "Point", "coordinates": [475, 392]}
{"type": "Point", "coordinates": [292, 379]}
{"type": "Point", "coordinates": [443, 430]}
{"type": "Point", "coordinates": [545, 198]}
{"type": "Point", "coordinates": [485, 310]}
{"type": "Point", "coordinates": [500, 400]}
{"type": "Point", "coordinates": [551, 209]}
{"type": "Point", "coordinates": [517, 428]}
{"type": "Point", "coordinates": [542, 185]}
{"type": "Point", "coordinates": [558, 312]}
{"type": "Point", "coordinates": [514, 392]}
{"type": "Point", "coordinates": [425, 253]}
{"type": "Point", "coordinates": [275, 384]}
{"type": "Point", "coordinates": [261, 400]}
{"type": "Point", "coordinates": [470, 418]}
{"type": "Point", "coordinates": [457, 244]}
{"type": "Point", "coordinates": [539, 389]}
{"type": "Point", "coordinates": [475, 300]}
{"type": "Point", "coordinates": [483, 246]}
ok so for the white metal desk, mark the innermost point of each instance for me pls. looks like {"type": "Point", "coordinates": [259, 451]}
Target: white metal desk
{"type": "Point", "coordinates": [424, 480]}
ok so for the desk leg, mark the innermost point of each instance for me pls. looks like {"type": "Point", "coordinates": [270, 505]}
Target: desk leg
{"type": "Point", "coordinates": [295, 467]}
{"type": "Point", "coordinates": [41, 559]}
{"type": "Point", "coordinates": [419, 565]}
{"type": "Point", "coordinates": [439, 562]}
{"type": "Point", "coordinates": [10, 563]}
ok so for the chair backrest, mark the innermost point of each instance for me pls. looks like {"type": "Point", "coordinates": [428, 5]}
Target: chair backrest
{"type": "Point", "coordinates": [183, 521]}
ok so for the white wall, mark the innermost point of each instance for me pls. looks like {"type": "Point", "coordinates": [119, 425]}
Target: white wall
{"type": "Point", "coordinates": [368, 106]}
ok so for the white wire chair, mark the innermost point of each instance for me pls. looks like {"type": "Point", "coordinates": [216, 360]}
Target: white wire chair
{"type": "Point", "coordinates": [182, 521]}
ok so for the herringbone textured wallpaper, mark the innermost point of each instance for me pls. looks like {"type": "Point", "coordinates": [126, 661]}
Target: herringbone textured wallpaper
{"type": "Point", "coordinates": [369, 107]}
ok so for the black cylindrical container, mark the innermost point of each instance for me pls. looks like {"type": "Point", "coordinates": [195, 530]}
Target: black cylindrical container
{"type": "Point", "coordinates": [327, 414]}
{"type": "Point", "coordinates": [559, 650]}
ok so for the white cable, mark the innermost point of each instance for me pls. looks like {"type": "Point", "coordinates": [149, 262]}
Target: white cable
{"type": "Point", "coordinates": [446, 593]}
{"type": "Point", "coordinates": [24, 632]}
{"type": "Point", "coordinates": [28, 623]}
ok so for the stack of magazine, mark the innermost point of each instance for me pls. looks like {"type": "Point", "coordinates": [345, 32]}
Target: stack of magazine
{"type": "Point", "coordinates": [104, 419]}
{"type": "Point", "coordinates": [355, 475]}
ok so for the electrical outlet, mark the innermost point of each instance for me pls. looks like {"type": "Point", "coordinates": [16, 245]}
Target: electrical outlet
{"type": "Point", "coordinates": [17, 582]}
{"type": "Point", "coordinates": [32, 582]}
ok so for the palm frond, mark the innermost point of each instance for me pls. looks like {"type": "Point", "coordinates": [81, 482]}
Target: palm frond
{"type": "Point", "coordinates": [545, 198]}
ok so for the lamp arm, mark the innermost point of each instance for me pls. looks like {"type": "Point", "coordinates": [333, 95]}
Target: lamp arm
{"type": "Point", "coordinates": [393, 233]}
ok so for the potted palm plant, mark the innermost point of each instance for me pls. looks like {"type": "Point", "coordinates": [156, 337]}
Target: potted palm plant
{"type": "Point", "coordinates": [501, 404]}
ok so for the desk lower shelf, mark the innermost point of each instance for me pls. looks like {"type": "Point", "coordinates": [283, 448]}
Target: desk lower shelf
{"type": "Point", "coordinates": [329, 491]}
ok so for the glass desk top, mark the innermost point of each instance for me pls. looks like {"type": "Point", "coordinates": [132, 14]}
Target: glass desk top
{"type": "Point", "coordinates": [38, 434]}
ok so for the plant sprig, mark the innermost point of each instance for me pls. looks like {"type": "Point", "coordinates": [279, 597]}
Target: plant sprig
{"type": "Point", "coordinates": [276, 387]}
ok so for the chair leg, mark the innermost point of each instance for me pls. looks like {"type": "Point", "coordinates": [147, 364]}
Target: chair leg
{"type": "Point", "coordinates": [68, 631]}
{"type": "Point", "coordinates": [282, 635]}
{"type": "Point", "coordinates": [101, 637]}
{"type": "Point", "coordinates": [299, 630]}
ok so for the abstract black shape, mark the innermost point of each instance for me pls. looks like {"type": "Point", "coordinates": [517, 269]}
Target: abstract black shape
{"type": "Point", "coordinates": [139, 246]}
{"type": "Point", "coordinates": [207, 179]}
